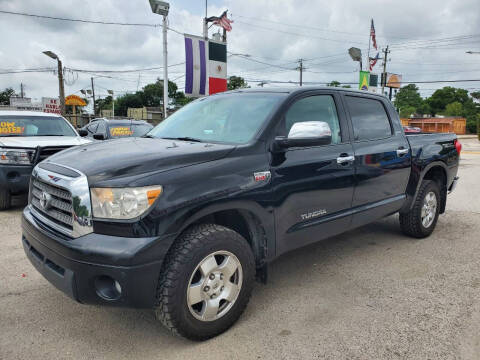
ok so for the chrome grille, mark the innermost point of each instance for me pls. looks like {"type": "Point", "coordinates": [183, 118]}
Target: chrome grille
{"type": "Point", "coordinates": [59, 209]}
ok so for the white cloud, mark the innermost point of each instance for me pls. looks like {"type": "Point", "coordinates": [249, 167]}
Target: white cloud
{"type": "Point", "coordinates": [90, 46]}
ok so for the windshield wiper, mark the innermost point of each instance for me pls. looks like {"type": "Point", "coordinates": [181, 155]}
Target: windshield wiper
{"type": "Point", "coordinates": [184, 138]}
{"type": "Point", "coordinates": [148, 136]}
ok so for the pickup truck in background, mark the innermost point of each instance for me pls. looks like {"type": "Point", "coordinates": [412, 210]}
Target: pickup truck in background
{"type": "Point", "coordinates": [183, 219]}
{"type": "Point", "coordinates": [26, 138]}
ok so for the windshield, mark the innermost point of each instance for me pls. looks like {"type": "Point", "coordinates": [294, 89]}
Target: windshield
{"type": "Point", "coordinates": [136, 130]}
{"type": "Point", "coordinates": [226, 119]}
{"type": "Point", "coordinates": [19, 125]}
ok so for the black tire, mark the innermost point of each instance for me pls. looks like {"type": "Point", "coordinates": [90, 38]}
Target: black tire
{"type": "Point", "coordinates": [188, 251]}
{"type": "Point", "coordinates": [5, 199]}
{"type": "Point", "coordinates": [411, 222]}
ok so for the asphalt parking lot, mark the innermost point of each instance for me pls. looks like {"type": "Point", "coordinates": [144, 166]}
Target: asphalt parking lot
{"type": "Point", "coordinates": [371, 293]}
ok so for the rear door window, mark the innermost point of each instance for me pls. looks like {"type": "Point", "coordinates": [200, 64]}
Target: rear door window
{"type": "Point", "coordinates": [369, 118]}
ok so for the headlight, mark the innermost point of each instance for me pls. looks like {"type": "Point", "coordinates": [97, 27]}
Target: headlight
{"type": "Point", "coordinates": [123, 203]}
{"type": "Point", "coordinates": [15, 156]}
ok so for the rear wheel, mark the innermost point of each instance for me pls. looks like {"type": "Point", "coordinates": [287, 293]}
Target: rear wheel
{"type": "Point", "coordinates": [421, 220]}
{"type": "Point", "coordinates": [5, 199]}
{"type": "Point", "coordinates": [206, 282]}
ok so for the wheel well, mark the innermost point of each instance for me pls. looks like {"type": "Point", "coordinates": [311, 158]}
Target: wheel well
{"type": "Point", "coordinates": [246, 224]}
{"type": "Point", "coordinates": [439, 175]}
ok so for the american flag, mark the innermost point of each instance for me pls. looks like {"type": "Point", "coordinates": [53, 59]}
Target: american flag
{"type": "Point", "coordinates": [372, 34]}
{"type": "Point", "coordinates": [222, 21]}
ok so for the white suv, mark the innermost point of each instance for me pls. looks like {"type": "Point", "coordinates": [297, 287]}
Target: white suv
{"type": "Point", "coordinates": [26, 138]}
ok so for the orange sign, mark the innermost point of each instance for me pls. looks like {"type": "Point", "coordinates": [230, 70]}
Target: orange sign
{"type": "Point", "coordinates": [75, 100]}
{"type": "Point", "coordinates": [7, 127]}
{"type": "Point", "coordinates": [121, 131]}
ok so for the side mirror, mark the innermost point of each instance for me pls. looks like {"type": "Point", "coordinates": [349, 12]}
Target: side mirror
{"type": "Point", "coordinates": [99, 136]}
{"type": "Point", "coordinates": [82, 132]}
{"type": "Point", "coordinates": [308, 133]}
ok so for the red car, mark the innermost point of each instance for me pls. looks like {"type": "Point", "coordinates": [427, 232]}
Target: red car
{"type": "Point", "coordinates": [411, 129]}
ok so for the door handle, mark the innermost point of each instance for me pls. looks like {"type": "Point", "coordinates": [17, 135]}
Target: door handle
{"type": "Point", "coordinates": [343, 160]}
{"type": "Point", "coordinates": [402, 152]}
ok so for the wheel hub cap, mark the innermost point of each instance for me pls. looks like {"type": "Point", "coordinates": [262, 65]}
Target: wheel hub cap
{"type": "Point", "coordinates": [214, 286]}
{"type": "Point", "coordinates": [429, 209]}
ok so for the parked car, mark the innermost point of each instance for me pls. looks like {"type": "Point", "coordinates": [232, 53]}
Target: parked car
{"type": "Point", "coordinates": [26, 138]}
{"type": "Point", "coordinates": [183, 219]}
{"type": "Point", "coordinates": [411, 129]}
{"type": "Point", "coordinates": [104, 129]}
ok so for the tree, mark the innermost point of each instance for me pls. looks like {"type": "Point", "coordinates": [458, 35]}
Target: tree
{"type": "Point", "coordinates": [454, 109]}
{"type": "Point", "coordinates": [122, 103]}
{"type": "Point", "coordinates": [408, 97]}
{"type": "Point", "coordinates": [152, 94]}
{"type": "Point", "coordinates": [5, 96]}
{"type": "Point", "coordinates": [475, 95]}
{"type": "Point", "coordinates": [181, 99]}
{"type": "Point", "coordinates": [236, 82]}
{"type": "Point", "coordinates": [336, 83]}
{"type": "Point", "coordinates": [406, 111]}
{"type": "Point", "coordinates": [447, 95]}
{"type": "Point", "coordinates": [102, 104]}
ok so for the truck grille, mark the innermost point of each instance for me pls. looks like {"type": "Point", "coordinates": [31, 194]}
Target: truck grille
{"type": "Point", "coordinates": [53, 202]}
{"type": "Point", "coordinates": [45, 152]}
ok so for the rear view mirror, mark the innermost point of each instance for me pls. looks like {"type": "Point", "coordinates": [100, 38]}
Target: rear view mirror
{"type": "Point", "coordinates": [82, 132]}
{"type": "Point", "coordinates": [99, 137]}
{"type": "Point", "coordinates": [307, 133]}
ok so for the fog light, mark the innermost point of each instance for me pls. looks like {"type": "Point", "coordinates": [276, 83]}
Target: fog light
{"type": "Point", "coordinates": [108, 288]}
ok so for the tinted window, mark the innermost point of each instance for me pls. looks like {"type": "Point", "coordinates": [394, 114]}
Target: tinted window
{"type": "Point", "coordinates": [369, 118]}
{"type": "Point", "coordinates": [92, 128]}
{"type": "Point", "coordinates": [315, 108]}
{"type": "Point", "coordinates": [101, 128]}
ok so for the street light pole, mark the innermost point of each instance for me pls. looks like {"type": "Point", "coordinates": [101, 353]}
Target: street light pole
{"type": "Point", "coordinates": [161, 8]}
{"type": "Point", "coordinates": [61, 88]}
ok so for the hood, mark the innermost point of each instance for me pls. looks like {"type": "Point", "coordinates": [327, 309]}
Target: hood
{"type": "Point", "coordinates": [127, 157]}
{"type": "Point", "coordinates": [34, 141]}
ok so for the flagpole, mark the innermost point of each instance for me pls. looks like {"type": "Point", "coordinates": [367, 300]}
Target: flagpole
{"type": "Point", "coordinates": [369, 41]}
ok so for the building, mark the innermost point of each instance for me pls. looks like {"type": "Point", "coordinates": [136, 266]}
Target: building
{"type": "Point", "coordinates": [152, 114]}
{"type": "Point", "coordinates": [450, 124]}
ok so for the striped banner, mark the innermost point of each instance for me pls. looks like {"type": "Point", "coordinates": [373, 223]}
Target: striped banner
{"type": "Point", "coordinates": [196, 54]}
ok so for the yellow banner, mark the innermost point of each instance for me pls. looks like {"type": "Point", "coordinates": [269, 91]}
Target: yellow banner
{"type": "Point", "coordinates": [8, 127]}
{"type": "Point", "coordinates": [121, 131]}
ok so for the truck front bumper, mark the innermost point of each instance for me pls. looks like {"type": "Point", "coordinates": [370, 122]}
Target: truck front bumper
{"type": "Point", "coordinates": [96, 269]}
{"type": "Point", "coordinates": [15, 178]}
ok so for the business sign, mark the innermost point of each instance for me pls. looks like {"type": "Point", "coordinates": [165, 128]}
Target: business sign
{"type": "Point", "coordinates": [75, 100]}
{"type": "Point", "coordinates": [364, 80]}
{"type": "Point", "coordinates": [51, 105]}
{"type": "Point", "coordinates": [392, 80]}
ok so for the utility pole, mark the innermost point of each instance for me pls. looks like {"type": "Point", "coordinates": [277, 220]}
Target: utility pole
{"type": "Point", "coordinates": [205, 24]}
{"type": "Point", "coordinates": [384, 75]}
{"type": "Point", "coordinates": [93, 96]}
{"type": "Point", "coordinates": [22, 94]}
{"type": "Point", "coordinates": [301, 68]}
{"type": "Point", "coordinates": [61, 87]}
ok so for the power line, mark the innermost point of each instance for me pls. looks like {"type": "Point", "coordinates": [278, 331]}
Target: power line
{"type": "Point", "coordinates": [78, 20]}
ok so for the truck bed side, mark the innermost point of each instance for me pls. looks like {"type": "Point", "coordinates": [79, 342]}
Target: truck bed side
{"type": "Point", "coordinates": [434, 157]}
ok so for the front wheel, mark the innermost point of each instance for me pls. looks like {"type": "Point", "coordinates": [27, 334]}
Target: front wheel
{"type": "Point", "coordinates": [422, 218]}
{"type": "Point", "coordinates": [206, 282]}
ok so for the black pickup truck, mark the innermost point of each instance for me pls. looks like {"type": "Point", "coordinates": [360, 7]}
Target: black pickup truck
{"type": "Point", "coordinates": [183, 219]}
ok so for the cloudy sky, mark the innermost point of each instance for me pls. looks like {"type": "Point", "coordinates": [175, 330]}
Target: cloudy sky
{"type": "Point", "coordinates": [428, 40]}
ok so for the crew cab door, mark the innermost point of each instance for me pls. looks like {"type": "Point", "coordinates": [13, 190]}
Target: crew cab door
{"type": "Point", "coordinates": [382, 158]}
{"type": "Point", "coordinates": [313, 186]}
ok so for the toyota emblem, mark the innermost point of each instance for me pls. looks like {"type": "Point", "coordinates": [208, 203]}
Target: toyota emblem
{"type": "Point", "coordinates": [45, 200]}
